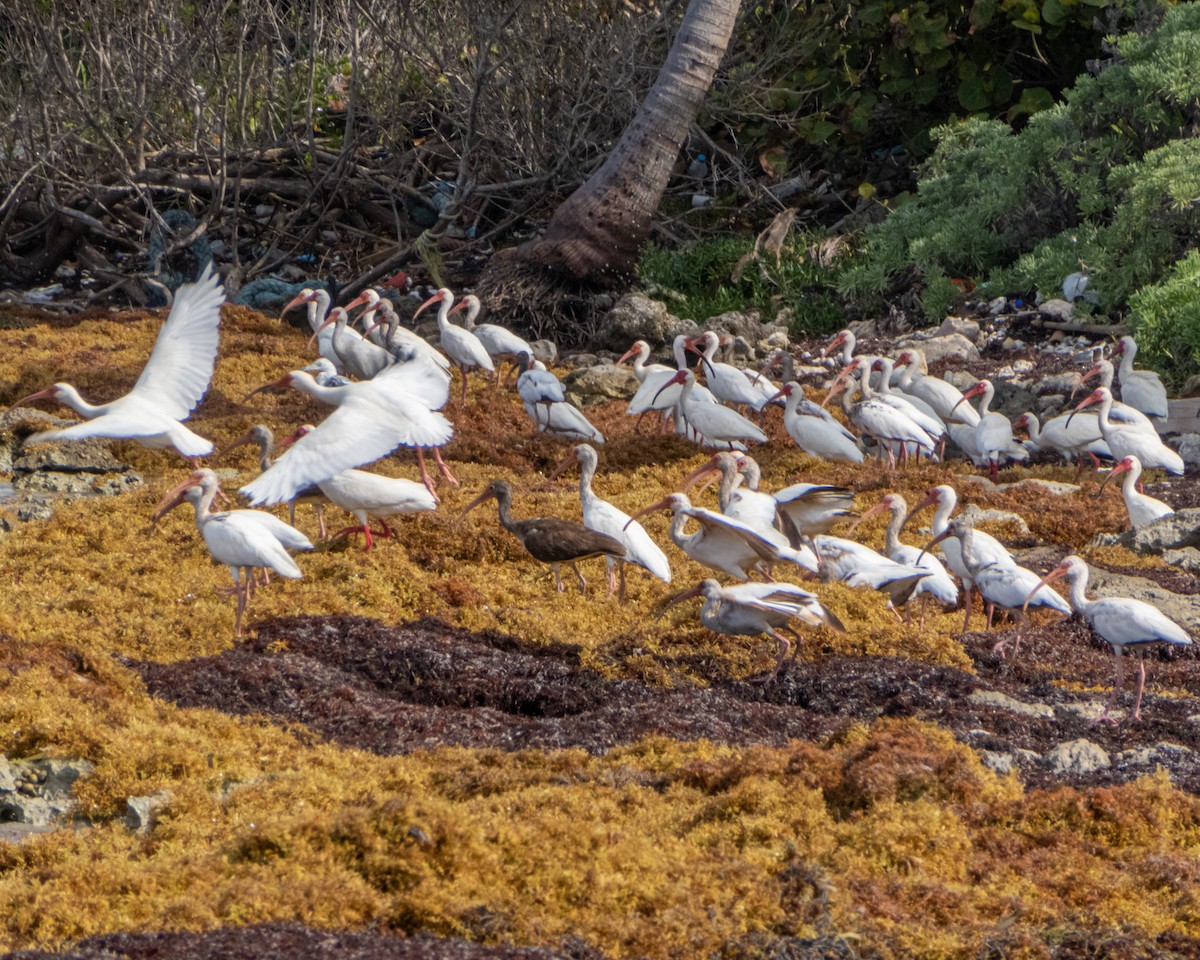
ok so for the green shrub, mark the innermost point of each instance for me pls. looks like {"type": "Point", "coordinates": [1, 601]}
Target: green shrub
{"type": "Point", "coordinates": [1166, 318]}
{"type": "Point", "coordinates": [716, 275]}
{"type": "Point", "coordinates": [1104, 182]}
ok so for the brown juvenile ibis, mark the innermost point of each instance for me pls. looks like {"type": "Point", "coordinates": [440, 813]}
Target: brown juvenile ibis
{"type": "Point", "coordinates": [550, 539]}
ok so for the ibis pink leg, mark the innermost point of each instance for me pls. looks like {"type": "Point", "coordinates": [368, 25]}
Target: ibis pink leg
{"type": "Point", "coordinates": [1137, 705]}
{"type": "Point", "coordinates": [425, 477]}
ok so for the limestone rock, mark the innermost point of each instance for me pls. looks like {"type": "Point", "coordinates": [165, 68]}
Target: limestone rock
{"type": "Point", "coordinates": [976, 515]}
{"type": "Point", "coordinates": [864, 329]}
{"type": "Point", "coordinates": [1186, 559]}
{"type": "Point", "coordinates": [960, 325]}
{"type": "Point", "coordinates": [1058, 310]}
{"type": "Point", "coordinates": [141, 812]}
{"type": "Point", "coordinates": [1056, 487]}
{"type": "Point", "coordinates": [544, 350]}
{"type": "Point", "coordinates": [960, 379]}
{"type": "Point", "coordinates": [997, 306]}
{"type": "Point", "coordinates": [1012, 400]}
{"type": "Point", "coordinates": [952, 346]}
{"type": "Point", "coordinates": [34, 792]}
{"type": "Point", "coordinates": [1172, 532]}
{"type": "Point", "coordinates": [1191, 387]}
{"type": "Point", "coordinates": [603, 382]}
{"type": "Point", "coordinates": [1050, 405]}
{"type": "Point", "coordinates": [1002, 701]}
{"type": "Point", "coordinates": [1000, 763]}
{"type": "Point", "coordinates": [1076, 757]}
{"type": "Point", "coordinates": [1068, 383]}
{"type": "Point", "coordinates": [636, 317]}
{"type": "Point", "coordinates": [1189, 448]}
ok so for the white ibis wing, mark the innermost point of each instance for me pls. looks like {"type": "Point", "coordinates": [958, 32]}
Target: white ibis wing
{"type": "Point", "coordinates": [418, 379]}
{"type": "Point", "coordinates": [357, 432]}
{"type": "Point", "coordinates": [711, 521]}
{"type": "Point", "coordinates": [181, 364]}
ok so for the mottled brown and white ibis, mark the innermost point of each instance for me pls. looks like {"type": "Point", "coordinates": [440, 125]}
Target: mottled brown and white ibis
{"type": "Point", "coordinates": [172, 383]}
{"type": "Point", "coordinates": [243, 540]}
{"type": "Point", "coordinates": [1122, 622]}
{"type": "Point", "coordinates": [751, 609]}
{"type": "Point", "coordinates": [549, 539]}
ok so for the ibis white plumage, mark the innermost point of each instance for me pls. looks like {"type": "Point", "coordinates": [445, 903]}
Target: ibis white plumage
{"type": "Point", "coordinates": [458, 343]}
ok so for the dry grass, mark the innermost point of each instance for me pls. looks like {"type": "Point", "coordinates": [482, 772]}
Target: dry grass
{"type": "Point", "coordinates": [663, 849]}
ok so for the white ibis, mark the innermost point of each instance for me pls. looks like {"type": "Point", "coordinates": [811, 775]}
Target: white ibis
{"type": "Point", "coordinates": [260, 435]}
{"type": "Point", "coordinates": [368, 496]}
{"type": "Point", "coordinates": [318, 303]}
{"type": "Point", "coordinates": [659, 392]}
{"type": "Point", "coordinates": [987, 548]}
{"type": "Point", "coordinates": [891, 428]}
{"type": "Point", "coordinates": [993, 433]}
{"type": "Point", "coordinates": [640, 353]}
{"type": "Point", "coordinates": [172, 383]}
{"type": "Point", "coordinates": [847, 341]}
{"type": "Point", "coordinates": [713, 422]}
{"type": "Point", "coordinates": [750, 506]}
{"type": "Point", "coordinates": [1070, 438]}
{"type": "Point", "coordinates": [938, 584]}
{"type": "Point", "coordinates": [373, 418]}
{"type": "Point", "coordinates": [722, 543]}
{"type": "Point", "coordinates": [1122, 622]}
{"type": "Point", "coordinates": [1007, 586]}
{"type": "Point", "coordinates": [243, 540]}
{"type": "Point", "coordinates": [603, 517]}
{"type": "Point", "coordinates": [727, 382]}
{"type": "Point", "coordinates": [766, 393]}
{"type": "Point", "coordinates": [459, 344]}
{"type": "Point", "coordinates": [917, 410]}
{"type": "Point", "coordinates": [809, 509]}
{"type": "Point", "coordinates": [325, 373]}
{"type": "Point", "coordinates": [538, 388]}
{"type": "Point", "coordinates": [359, 356]}
{"type": "Point", "coordinates": [1141, 389]}
{"type": "Point", "coordinates": [498, 341]}
{"type": "Point", "coordinates": [814, 430]}
{"type": "Point", "coordinates": [1121, 413]}
{"type": "Point", "coordinates": [1142, 509]}
{"type": "Point", "coordinates": [857, 565]}
{"type": "Point", "coordinates": [403, 344]}
{"type": "Point", "coordinates": [942, 396]}
{"type": "Point", "coordinates": [549, 539]}
{"type": "Point", "coordinates": [1125, 441]}
{"type": "Point", "coordinates": [751, 609]}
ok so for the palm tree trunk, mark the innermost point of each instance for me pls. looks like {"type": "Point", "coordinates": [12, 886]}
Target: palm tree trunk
{"type": "Point", "coordinates": [596, 234]}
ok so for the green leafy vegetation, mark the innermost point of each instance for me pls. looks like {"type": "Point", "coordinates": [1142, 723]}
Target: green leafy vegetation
{"type": "Point", "coordinates": [1104, 182]}
{"type": "Point", "coordinates": [726, 273]}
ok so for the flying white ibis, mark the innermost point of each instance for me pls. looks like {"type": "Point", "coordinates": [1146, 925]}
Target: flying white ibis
{"type": "Point", "coordinates": [1122, 622]}
{"type": "Point", "coordinates": [1142, 509]}
{"type": "Point", "coordinates": [713, 422]}
{"type": "Point", "coordinates": [942, 396]}
{"type": "Point", "coordinates": [603, 517]}
{"type": "Point", "coordinates": [1070, 438]}
{"type": "Point", "coordinates": [938, 584]}
{"type": "Point", "coordinates": [1007, 586]}
{"type": "Point", "coordinates": [459, 344]}
{"type": "Point", "coordinates": [1141, 389]}
{"type": "Point", "coordinates": [722, 543]}
{"type": "Point", "coordinates": [373, 418]}
{"type": "Point", "coordinates": [993, 433]}
{"type": "Point", "coordinates": [814, 430]}
{"type": "Point", "coordinates": [498, 341]}
{"type": "Point", "coordinates": [359, 356]}
{"type": "Point", "coordinates": [318, 303]}
{"type": "Point", "coordinates": [243, 540]}
{"type": "Point", "coordinates": [892, 429]}
{"type": "Point", "coordinates": [751, 609]}
{"type": "Point", "coordinates": [368, 496]}
{"type": "Point", "coordinates": [988, 549]}
{"type": "Point", "coordinates": [1125, 441]}
{"type": "Point", "coordinates": [172, 383]}
{"type": "Point", "coordinates": [260, 436]}
{"type": "Point", "coordinates": [549, 539]}
{"type": "Point", "coordinates": [750, 506]}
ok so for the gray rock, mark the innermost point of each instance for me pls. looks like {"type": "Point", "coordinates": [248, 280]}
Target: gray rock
{"type": "Point", "coordinates": [33, 510]}
{"type": "Point", "coordinates": [863, 329]}
{"type": "Point", "coordinates": [588, 385]}
{"type": "Point", "coordinates": [1191, 387]}
{"type": "Point", "coordinates": [583, 360]}
{"type": "Point", "coordinates": [8, 779]}
{"type": "Point", "coordinates": [776, 341]}
{"type": "Point", "coordinates": [1001, 763]}
{"type": "Point", "coordinates": [89, 456]}
{"type": "Point", "coordinates": [1076, 757]}
{"type": "Point", "coordinates": [961, 379]}
{"type": "Point", "coordinates": [952, 346]}
{"type": "Point", "coordinates": [141, 812]}
{"type": "Point", "coordinates": [1189, 448]}
{"type": "Point", "coordinates": [1186, 559]}
{"type": "Point", "coordinates": [1067, 383]}
{"type": "Point", "coordinates": [962, 326]}
{"type": "Point", "coordinates": [1164, 753]}
{"type": "Point", "coordinates": [1023, 367]}
{"type": "Point", "coordinates": [1050, 405]}
{"type": "Point", "coordinates": [636, 317]}
{"type": "Point", "coordinates": [1012, 400]}
{"type": "Point", "coordinates": [1002, 701]}
{"type": "Point", "coordinates": [545, 350]}
{"type": "Point", "coordinates": [1011, 344]}
{"type": "Point", "coordinates": [60, 775]}
{"type": "Point", "coordinates": [1056, 487]}
{"type": "Point", "coordinates": [741, 350]}
{"type": "Point", "coordinates": [997, 306]}
{"type": "Point", "coordinates": [76, 484]}
{"type": "Point", "coordinates": [35, 811]}
{"type": "Point", "coordinates": [1172, 532]}
{"type": "Point", "coordinates": [976, 515]}
{"type": "Point", "coordinates": [1060, 310]}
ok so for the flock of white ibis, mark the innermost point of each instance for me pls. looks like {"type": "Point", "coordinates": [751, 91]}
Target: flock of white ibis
{"type": "Point", "coordinates": [388, 388]}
